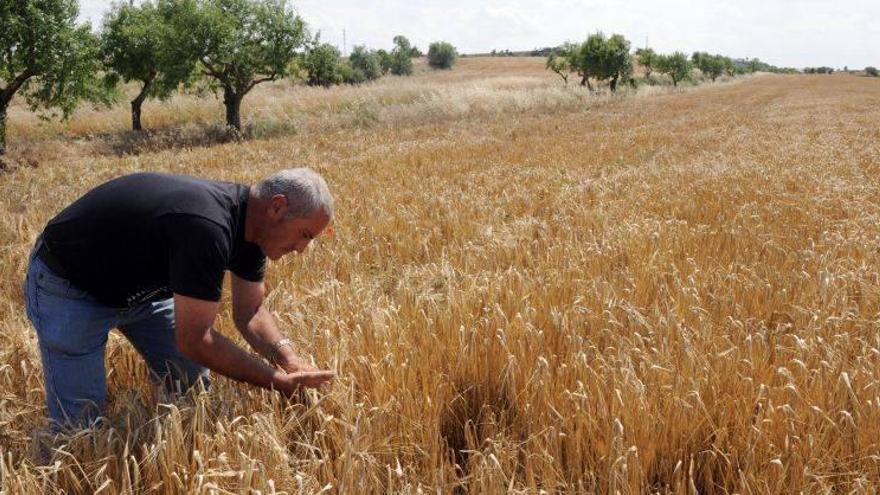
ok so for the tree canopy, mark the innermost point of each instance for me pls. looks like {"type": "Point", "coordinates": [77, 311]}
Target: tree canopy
{"type": "Point", "coordinates": [140, 43]}
{"type": "Point", "coordinates": [603, 59]}
{"type": "Point", "coordinates": [677, 66]}
{"type": "Point", "coordinates": [242, 43]}
{"type": "Point", "coordinates": [47, 58]}
{"type": "Point", "coordinates": [400, 58]}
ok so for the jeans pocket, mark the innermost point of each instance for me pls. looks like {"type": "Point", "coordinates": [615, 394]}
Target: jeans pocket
{"type": "Point", "coordinates": [48, 283]}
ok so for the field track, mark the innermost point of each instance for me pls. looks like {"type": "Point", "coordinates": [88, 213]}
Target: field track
{"type": "Point", "coordinates": [668, 291]}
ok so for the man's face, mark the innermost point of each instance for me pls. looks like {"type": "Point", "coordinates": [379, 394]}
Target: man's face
{"type": "Point", "coordinates": [284, 235]}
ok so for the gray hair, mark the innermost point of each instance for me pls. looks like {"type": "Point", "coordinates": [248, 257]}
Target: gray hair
{"type": "Point", "coordinates": [305, 190]}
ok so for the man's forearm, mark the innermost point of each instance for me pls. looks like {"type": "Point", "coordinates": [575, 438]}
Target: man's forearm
{"type": "Point", "coordinates": [219, 354]}
{"type": "Point", "coordinates": [261, 332]}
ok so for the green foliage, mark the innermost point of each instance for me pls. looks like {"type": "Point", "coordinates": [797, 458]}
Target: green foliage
{"type": "Point", "coordinates": [322, 67]}
{"type": "Point", "coordinates": [754, 65]}
{"type": "Point", "coordinates": [442, 55]}
{"type": "Point", "coordinates": [647, 59]}
{"type": "Point", "coordinates": [367, 62]}
{"type": "Point", "coordinates": [677, 66]}
{"type": "Point", "coordinates": [242, 43]}
{"type": "Point", "coordinates": [385, 60]}
{"type": "Point", "coordinates": [47, 58]}
{"type": "Point", "coordinates": [603, 58]}
{"type": "Point", "coordinates": [559, 60]}
{"type": "Point", "coordinates": [502, 53]}
{"type": "Point", "coordinates": [731, 68]}
{"type": "Point", "coordinates": [710, 65]}
{"type": "Point", "coordinates": [400, 59]}
{"type": "Point", "coordinates": [140, 43]}
{"type": "Point", "coordinates": [348, 74]}
{"type": "Point", "coordinates": [872, 71]}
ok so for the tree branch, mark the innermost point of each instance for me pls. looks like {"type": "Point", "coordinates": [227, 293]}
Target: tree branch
{"type": "Point", "coordinates": [10, 89]}
{"type": "Point", "coordinates": [211, 71]}
{"type": "Point", "coordinates": [258, 81]}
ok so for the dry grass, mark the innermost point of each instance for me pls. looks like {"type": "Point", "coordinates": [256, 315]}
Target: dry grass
{"type": "Point", "coordinates": [528, 289]}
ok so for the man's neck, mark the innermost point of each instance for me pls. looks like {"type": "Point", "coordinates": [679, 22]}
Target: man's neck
{"type": "Point", "coordinates": [253, 217]}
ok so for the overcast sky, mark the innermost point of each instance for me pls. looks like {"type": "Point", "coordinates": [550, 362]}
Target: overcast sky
{"type": "Point", "coordinates": [794, 33]}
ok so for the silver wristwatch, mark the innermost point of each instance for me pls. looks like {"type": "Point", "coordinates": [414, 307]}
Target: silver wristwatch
{"type": "Point", "coordinates": [278, 345]}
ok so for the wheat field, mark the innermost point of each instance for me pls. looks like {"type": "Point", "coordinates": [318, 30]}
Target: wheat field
{"type": "Point", "coordinates": [529, 289]}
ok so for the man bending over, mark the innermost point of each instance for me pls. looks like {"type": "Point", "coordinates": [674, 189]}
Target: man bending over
{"type": "Point", "coordinates": [146, 253]}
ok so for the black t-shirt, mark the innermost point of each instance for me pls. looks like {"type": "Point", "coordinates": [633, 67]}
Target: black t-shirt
{"type": "Point", "coordinates": [144, 236]}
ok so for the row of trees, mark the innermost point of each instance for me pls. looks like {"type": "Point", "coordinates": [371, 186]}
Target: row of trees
{"type": "Point", "coordinates": [224, 46]}
{"type": "Point", "coordinates": [818, 70]}
{"type": "Point", "coordinates": [604, 58]}
{"type": "Point", "coordinates": [325, 66]}
{"type": "Point", "coordinates": [228, 46]}
{"type": "Point", "coordinates": [869, 70]}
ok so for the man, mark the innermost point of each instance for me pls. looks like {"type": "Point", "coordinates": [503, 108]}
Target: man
{"type": "Point", "coordinates": [147, 253]}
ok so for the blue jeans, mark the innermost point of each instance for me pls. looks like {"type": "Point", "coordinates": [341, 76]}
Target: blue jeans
{"type": "Point", "coordinates": [72, 328]}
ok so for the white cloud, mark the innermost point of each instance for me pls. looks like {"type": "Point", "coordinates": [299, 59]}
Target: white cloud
{"type": "Point", "coordinates": [783, 32]}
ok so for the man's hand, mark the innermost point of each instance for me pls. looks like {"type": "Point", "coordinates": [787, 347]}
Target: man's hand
{"type": "Point", "coordinates": [292, 363]}
{"type": "Point", "coordinates": [292, 384]}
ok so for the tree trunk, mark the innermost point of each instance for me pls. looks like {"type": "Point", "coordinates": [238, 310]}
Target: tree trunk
{"type": "Point", "coordinates": [614, 84]}
{"type": "Point", "coordinates": [136, 105]}
{"type": "Point", "coordinates": [2, 128]}
{"type": "Point", "coordinates": [674, 82]}
{"type": "Point", "coordinates": [136, 114]}
{"type": "Point", "coordinates": [232, 101]}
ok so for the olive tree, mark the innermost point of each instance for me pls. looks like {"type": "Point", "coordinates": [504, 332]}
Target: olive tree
{"type": "Point", "coordinates": [559, 60]}
{"type": "Point", "coordinates": [46, 58]}
{"type": "Point", "coordinates": [871, 71]}
{"type": "Point", "coordinates": [710, 65]}
{"type": "Point", "coordinates": [400, 63]}
{"type": "Point", "coordinates": [677, 66]}
{"type": "Point", "coordinates": [442, 55]}
{"type": "Point", "coordinates": [242, 43]}
{"type": "Point", "coordinates": [647, 59]}
{"type": "Point", "coordinates": [603, 58]}
{"type": "Point", "coordinates": [139, 43]}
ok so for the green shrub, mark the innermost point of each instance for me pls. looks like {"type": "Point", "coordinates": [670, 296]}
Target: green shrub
{"type": "Point", "coordinates": [442, 55]}
{"type": "Point", "coordinates": [871, 71]}
{"type": "Point", "coordinates": [367, 62]}
{"type": "Point", "coordinates": [349, 74]}
{"type": "Point", "coordinates": [322, 65]}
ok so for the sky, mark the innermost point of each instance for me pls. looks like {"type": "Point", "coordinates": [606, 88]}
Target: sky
{"type": "Point", "coordinates": [786, 33]}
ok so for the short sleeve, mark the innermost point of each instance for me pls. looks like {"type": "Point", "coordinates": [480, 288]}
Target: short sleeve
{"type": "Point", "coordinates": [198, 255]}
{"type": "Point", "coordinates": [249, 262]}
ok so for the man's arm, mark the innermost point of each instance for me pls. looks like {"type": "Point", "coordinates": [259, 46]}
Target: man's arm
{"type": "Point", "coordinates": [196, 339]}
{"type": "Point", "coordinates": [258, 327]}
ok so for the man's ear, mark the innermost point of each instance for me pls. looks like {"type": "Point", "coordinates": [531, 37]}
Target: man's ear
{"type": "Point", "coordinates": [279, 205]}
